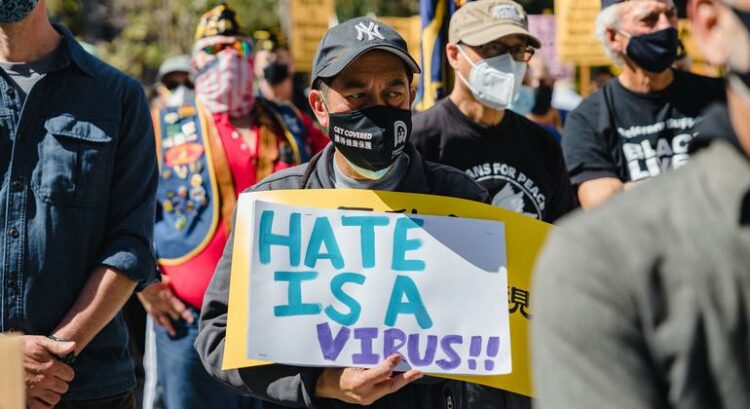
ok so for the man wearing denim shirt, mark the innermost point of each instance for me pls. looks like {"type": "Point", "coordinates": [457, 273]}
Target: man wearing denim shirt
{"type": "Point", "coordinates": [76, 208]}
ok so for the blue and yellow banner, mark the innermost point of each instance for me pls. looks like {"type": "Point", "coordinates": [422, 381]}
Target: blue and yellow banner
{"type": "Point", "coordinates": [436, 73]}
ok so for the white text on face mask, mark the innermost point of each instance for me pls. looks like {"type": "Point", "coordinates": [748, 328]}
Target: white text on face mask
{"type": "Point", "coordinates": [352, 134]}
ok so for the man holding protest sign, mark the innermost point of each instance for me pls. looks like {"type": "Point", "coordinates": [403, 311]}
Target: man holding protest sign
{"type": "Point", "coordinates": [361, 92]}
{"type": "Point", "coordinates": [633, 316]}
{"type": "Point", "coordinates": [639, 124]}
{"type": "Point", "coordinates": [516, 160]}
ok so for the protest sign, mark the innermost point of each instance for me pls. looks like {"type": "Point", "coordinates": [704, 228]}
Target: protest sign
{"type": "Point", "coordinates": [410, 29]}
{"type": "Point", "coordinates": [576, 41]}
{"type": "Point", "coordinates": [524, 238]}
{"type": "Point", "coordinates": [309, 22]}
{"type": "Point", "coordinates": [543, 27]}
{"type": "Point", "coordinates": [347, 288]}
{"type": "Point", "coordinates": [12, 393]}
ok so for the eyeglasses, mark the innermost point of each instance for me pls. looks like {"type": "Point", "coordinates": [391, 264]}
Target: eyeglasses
{"type": "Point", "coordinates": [242, 47]}
{"type": "Point", "coordinates": [494, 49]}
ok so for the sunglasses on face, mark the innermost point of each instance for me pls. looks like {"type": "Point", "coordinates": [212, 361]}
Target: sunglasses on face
{"type": "Point", "coordinates": [242, 47]}
{"type": "Point", "coordinates": [172, 85]}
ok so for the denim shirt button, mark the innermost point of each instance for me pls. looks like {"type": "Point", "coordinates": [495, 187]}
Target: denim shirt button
{"type": "Point", "coordinates": [13, 232]}
{"type": "Point", "coordinates": [17, 185]}
{"type": "Point", "coordinates": [12, 285]}
{"type": "Point", "coordinates": [11, 92]}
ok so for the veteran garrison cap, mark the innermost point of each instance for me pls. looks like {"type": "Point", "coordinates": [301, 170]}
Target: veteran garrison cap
{"type": "Point", "coordinates": [345, 42]}
{"type": "Point", "coordinates": [219, 21]}
{"type": "Point", "coordinates": [482, 21]}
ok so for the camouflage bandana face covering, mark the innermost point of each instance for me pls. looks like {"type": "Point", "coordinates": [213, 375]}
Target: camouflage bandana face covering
{"type": "Point", "coordinates": [13, 11]}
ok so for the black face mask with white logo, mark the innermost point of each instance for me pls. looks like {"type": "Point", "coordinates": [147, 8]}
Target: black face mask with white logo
{"type": "Point", "coordinates": [370, 138]}
{"type": "Point", "coordinates": [655, 51]}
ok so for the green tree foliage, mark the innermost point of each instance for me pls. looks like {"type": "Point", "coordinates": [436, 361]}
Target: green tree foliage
{"type": "Point", "coordinates": [137, 35]}
{"type": "Point", "coordinates": [346, 9]}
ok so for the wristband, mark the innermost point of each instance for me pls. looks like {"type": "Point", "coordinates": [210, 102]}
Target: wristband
{"type": "Point", "coordinates": [68, 359]}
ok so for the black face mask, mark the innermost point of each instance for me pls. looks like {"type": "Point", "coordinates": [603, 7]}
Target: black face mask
{"type": "Point", "coordinates": [276, 72]}
{"type": "Point", "coordinates": [654, 52]}
{"type": "Point", "coordinates": [542, 100]}
{"type": "Point", "coordinates": [371, 138]}
{"type": "Point", "coordinates": [744, 17]}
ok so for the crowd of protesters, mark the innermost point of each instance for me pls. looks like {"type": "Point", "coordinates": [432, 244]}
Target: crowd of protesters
{"type": "Point", "coordinates": [641, 298]}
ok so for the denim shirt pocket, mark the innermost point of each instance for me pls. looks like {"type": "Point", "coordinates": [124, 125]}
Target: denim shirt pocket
{"type": "Point", "coordinates": [75, 158]}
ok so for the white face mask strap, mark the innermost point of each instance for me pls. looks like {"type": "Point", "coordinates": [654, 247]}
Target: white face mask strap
{"type": "Point", "coordinates": [466, 57]}
{"type": "Point", "coordinates": [461, 77]}
{"type": "Point", "coordinates": [458, 73]}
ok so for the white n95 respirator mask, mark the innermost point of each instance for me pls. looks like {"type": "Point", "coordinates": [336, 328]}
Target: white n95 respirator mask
{"type": "Point", "coordinates": [495, 81]}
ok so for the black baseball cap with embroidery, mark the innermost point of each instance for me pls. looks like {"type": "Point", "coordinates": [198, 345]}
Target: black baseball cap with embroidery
{"type": "Point", "coordinates": [345, 42]}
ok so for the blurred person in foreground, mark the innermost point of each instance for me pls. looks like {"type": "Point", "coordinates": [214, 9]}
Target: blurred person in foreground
{"type": "Point", "coordinates": [209, 153]}
{"type": "Point", "coordinates": [517, 161]}
{"type": "Point", "coordinates": [79, 170]}
{"type": "Point", "coordinates": [651, 308]}
{"type": "Point", "coordinates": [638, 125]}
{"type": "Point", "coordinates": [361, 76]}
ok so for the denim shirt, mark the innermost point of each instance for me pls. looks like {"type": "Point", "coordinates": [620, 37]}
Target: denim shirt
{"type": "Point", "coordinates": [78, 191]}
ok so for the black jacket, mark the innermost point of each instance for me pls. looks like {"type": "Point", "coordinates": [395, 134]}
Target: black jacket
{"type": "Point", "coordinates": [295, 386]}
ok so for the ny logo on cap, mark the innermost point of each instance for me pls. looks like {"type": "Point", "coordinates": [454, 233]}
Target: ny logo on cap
{"type": "Point", "coordinates": [372, 31]}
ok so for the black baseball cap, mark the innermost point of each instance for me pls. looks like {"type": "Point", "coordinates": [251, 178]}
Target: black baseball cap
{"type": "Point", "coordinates": [345, 42]}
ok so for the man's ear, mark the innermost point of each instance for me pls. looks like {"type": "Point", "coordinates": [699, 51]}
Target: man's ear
{"type": "Point", "coordinates": [451, 52]}
{"type": "Point", "coordinates": [614, 45]}
{"type": "Point", "coordinates": [412, 95]}
{"type": "Point", "coordinates": [708, 35]}
{"type": "Point", "coordinates": [315, 98]}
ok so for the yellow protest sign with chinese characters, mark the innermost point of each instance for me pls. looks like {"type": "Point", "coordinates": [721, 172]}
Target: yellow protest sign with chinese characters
{"type": "Point", "coordinates": [576, 41]}
{"type": "Point", "coordinates": [309, 22]}
{"type": "Point", "coordinates": [524, 238]}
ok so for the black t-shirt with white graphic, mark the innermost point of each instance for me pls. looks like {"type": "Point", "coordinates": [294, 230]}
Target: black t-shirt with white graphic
{"type": "Point", "coordinates": [630, 136]}
{"type": "Point", "coordinates": [517, 161]}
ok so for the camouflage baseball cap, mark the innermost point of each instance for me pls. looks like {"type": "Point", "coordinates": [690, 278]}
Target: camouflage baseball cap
{"type": "Point", "coordinates": [482, 21]}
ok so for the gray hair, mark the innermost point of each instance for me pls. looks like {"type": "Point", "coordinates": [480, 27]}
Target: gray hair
{"type": "Point", "coordinates": [609, 18]}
